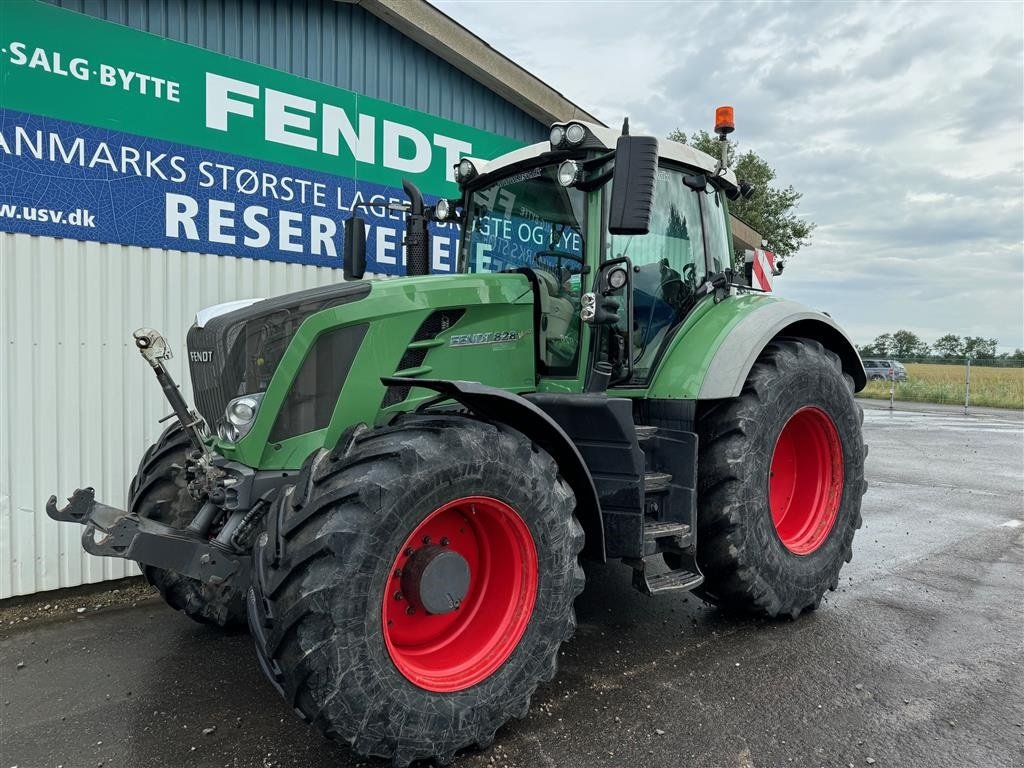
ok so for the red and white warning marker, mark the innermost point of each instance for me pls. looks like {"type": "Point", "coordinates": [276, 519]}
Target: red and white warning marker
{"type": "Point", "coordinates": [761, 268]}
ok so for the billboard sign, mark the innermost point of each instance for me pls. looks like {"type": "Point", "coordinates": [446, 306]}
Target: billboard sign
{"type": "Point", "coordinates": [115, 135]}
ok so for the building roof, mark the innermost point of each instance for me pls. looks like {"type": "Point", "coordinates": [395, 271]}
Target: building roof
{"type": "Point", "coordinates": [745, 236]}
{"type": "Point", "coordinates": [448, 40]}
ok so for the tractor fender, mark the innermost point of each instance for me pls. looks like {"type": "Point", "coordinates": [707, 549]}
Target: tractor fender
{"type": "Point", "coordinates": [520, 414]}
{"type": "Point", "coordinates": [745, 341]}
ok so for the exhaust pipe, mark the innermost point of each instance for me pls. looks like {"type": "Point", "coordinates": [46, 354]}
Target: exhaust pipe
{"type": "Point", "coordinates": [417, 236]}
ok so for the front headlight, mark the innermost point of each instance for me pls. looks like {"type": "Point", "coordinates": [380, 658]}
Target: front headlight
{"type": "Point", "coordinates": [242, 410]}
{"type": "Point", "coordinates": [227, 433]}
{"type": "Point", "coordinates": [238, 417]}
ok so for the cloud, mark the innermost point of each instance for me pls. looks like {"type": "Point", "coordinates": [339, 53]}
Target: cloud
{"type": "Point", "coordinates": [901, 124]}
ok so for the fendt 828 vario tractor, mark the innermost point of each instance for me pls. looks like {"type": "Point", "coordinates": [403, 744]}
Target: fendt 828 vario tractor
{"type": "Point", "coordinates": [393, 481]}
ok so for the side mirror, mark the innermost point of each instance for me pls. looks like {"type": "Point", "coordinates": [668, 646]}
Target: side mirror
{"type": "Point", "coordinates": [354, 258]}
{"type": "Point", "coordinates": [636, 169]}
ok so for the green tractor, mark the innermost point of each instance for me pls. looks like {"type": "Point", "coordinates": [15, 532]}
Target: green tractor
{"type": "Point", "coordinates": [393, 481]}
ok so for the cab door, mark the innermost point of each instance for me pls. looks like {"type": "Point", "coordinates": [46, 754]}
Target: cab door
{"type": "Point", "coordinates": [669, 265]}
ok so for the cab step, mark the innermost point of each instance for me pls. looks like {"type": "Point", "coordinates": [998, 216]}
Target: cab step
{"type": "Point", "coordinates": [685, 577]}
{"type": "Point", "coordinates": [672, 581]}
{"type": "Point", "coordinates": [645, 432]}
{"type": "Point", "coordinates": [655, 531]}
{"type": "Point", "coordinates": [655, 482]}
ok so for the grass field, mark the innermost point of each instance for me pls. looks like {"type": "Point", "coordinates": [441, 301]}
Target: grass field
{"type": "Point", "coordinates": [997, 387]}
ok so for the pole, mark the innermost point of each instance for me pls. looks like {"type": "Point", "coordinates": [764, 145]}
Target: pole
{"type": "Point", "coordinates": [967, 395]}
{"type": "Point", "coordinates": [892, 387]}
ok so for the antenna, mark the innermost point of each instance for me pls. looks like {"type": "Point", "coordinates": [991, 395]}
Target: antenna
{"type": "Point", "coordinates": [625, 126]}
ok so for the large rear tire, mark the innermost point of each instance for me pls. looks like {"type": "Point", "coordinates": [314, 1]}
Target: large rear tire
{"type": "Point", "coordinates": [339, 630]}
{"type": "Point", "coordinates": [158, 492]}
{"type": "Point", "coordinates": [781, 476]}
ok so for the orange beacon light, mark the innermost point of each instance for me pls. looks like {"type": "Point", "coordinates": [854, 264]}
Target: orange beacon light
{"type": "Point", "coordinates": [724, 122]}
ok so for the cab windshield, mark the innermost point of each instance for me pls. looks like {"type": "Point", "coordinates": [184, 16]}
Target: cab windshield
{"type": "Point", "coordinates": [527, 219]}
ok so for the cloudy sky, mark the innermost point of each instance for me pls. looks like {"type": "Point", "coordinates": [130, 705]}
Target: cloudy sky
{"type": "Point", "coordinates": [903, 125]}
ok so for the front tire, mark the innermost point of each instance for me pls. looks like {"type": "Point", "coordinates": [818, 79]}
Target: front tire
{"type": "Point", "coordinates": [336, 628]}
{"type": "Point", "coordinates": [781, 476]}
{"type": "Point", "coordinates": [158, 492]}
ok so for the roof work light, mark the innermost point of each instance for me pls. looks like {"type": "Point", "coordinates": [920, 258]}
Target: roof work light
{"type": "Point", "coordinates": [568, 136]}
{"type": "Point", "coordinates": [465, 170]}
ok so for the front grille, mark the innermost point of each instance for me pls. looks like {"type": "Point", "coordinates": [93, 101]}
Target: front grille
{"type": "Point", "coordinates": [237, 353]}
{"type": "Point", "coordinates": [215, 369]}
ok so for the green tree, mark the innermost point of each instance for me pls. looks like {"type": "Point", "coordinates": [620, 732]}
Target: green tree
{"type": "Point", "coordinates": [908, 344]}
{"type": "Point", "coordinates": [1018, 354]}
{"type": "Point", "coordinates": [979, 348]}
{"type": "Point", "coordinates": [772, 210]}
{"type": "Point", "coordinates": [884, 345]}
{"type": "Point", "coordinates": [949, 346]}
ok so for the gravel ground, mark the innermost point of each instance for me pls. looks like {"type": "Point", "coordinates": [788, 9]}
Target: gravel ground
{"type": "Point", "coordinates": [62, 605]}
{"type": "Point", "coordinates": [915, 661]}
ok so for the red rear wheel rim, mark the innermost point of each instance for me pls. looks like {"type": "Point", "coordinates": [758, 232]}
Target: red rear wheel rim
{"type": "Point", "coordinates": [805, 484]}
{"type": "Point", "coordinates": [453, 651]}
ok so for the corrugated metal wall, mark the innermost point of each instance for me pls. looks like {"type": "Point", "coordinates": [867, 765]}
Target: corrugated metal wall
{"type": "Point", "coordinates": [77, 403]}
{"type": "Point", "coordinates": [334, 42]}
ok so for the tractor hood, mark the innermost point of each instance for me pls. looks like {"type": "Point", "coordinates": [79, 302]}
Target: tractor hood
{"type": "Point", "coordinates": [235, 353]}
{"type": "Point", "coordinates": [309, 365]}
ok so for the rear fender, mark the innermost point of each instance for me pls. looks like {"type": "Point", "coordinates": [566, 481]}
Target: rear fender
{"type": "Point", "coordinates": [525, 417]}
{"type": "Point", "coordinates": [739, 350]}
{"type": "Point", "coordinates": [711, 355]}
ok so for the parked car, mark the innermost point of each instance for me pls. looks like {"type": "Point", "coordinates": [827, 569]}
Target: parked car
{"type": "Point", "coordinates": [880, 370]}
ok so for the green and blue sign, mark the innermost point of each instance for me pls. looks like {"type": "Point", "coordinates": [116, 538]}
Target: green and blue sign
{"type": "Point", "coordinates": [114, 135]}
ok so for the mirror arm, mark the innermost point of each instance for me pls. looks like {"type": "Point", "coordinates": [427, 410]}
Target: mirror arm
{"type": "Point", "coordinates": [603, 294]}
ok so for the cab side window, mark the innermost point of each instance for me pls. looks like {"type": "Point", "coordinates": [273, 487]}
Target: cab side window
{"type": "Point", "coordinates": [668, 263]}
{"type": "Point", "coordinates": [716, 230]}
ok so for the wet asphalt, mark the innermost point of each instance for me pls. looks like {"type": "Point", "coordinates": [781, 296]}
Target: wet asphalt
{"type": "Point", "coordinates": [915, 661]}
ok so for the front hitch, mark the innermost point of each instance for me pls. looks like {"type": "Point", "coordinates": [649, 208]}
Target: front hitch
{"type": "Point", "coordinates": [111, 532]}
{"type": "Point", "coordinates": [154, 349]}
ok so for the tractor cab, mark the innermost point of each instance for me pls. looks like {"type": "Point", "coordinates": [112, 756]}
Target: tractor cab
{"type": "Point", "coordinates": [619, 236]}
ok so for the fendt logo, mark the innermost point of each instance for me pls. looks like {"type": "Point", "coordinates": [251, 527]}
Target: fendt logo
{"type": "Point", "coordinates": [201, 356]}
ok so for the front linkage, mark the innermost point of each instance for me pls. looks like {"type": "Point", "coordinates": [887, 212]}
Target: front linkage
{"type": "Point", "coordinates": [216, 484]}
{"type": "Point", "coordinates": [126, 535]}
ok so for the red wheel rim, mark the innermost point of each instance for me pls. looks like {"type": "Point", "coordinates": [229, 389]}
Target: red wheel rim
{"type": "Point", "coordinates": [805, 484]}
{"type": "Point", "coordinates": [453, 651]}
